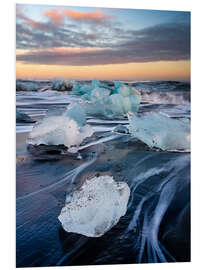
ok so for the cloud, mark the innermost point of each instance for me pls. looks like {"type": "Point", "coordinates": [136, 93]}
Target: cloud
{"type": "Point", "coordinates": [88, 17]}
{"type": "Point", "coordinates": [54, 15]}
{"type": "Point", "coordinates": [58, 31]}
{"type": "Point", "coordinates": [49, 25]}
{"type": "Point", "coordinates": [100, 41]}
{"type": "Point", "coordinates": [164, 42]}
{"type": "Point", "coordinates": [57, 16]}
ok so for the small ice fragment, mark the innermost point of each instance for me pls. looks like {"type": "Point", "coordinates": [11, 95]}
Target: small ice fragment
{"type": "Point", "coordinates": [96, 207]}
{"type": "Point", "coordinates": [158, 130]}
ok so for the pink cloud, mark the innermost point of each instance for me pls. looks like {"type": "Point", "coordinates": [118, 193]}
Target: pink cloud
{"type": "Point", "coordinates": [54, 15]}
{"type": "Point", "coordinates": [94, 16]}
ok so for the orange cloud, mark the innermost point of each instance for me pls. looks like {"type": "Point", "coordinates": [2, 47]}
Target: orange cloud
{"type": "Point", "coordinates": [86, 16]}
{"type": "Point", "coordinates": [54, 15]}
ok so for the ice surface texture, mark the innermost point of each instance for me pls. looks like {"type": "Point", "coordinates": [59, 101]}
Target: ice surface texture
{"type": "Point", "coordinates": [69, 128]}
{"type": "Point", "coordinates": [158, 130]}
{"type": "Point", "coordinates": [96, 207]}
{"type": "Point", "coordinates": [107, 102]}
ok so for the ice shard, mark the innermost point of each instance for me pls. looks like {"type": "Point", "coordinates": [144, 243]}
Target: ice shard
{"type": "Point", "coordinates": [96, 207]}
{"type": "Point", "coordinates": [160, 131]}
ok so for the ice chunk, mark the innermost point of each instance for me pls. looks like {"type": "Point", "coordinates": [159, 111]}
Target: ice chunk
{"type": "Point", "coordinates": [158, 130]}
{"type": "Point", "coordinates": [62, 84]}
{"type": "Point", "coordinates": [106, 102]}
{"type": "Point", "coordinates": [69, 129]}
{"type": "Point", "coordinates": [58, 130]}
{"type": "Point", "coordinates": [26, 86]}
{"type": "Point", "coordinates": [85, 90]}
{"type": "Point", "coordinates": [96, 207]}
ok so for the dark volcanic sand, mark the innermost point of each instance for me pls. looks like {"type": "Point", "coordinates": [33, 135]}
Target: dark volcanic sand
{"type": "Point", "coordinates": [156, 227]}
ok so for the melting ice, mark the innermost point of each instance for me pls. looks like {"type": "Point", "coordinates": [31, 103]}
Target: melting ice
{"type": "Point", "coordinates": [158, 130]}
{"type": "Point", "coordinates": [107, 102]}
{"type": "Point", "coordinates": [96, 207]}
{"type": "Point", "coordinates": [68, 128]}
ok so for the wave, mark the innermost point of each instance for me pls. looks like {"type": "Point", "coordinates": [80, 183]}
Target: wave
{"type": "Point", "coordinates": [158, 97]}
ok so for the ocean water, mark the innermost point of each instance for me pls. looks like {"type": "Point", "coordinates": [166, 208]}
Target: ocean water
{"type": "Point", "coordinates": [156, 227]}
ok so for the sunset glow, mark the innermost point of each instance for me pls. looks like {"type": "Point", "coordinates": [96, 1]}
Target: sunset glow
{"type": "Point", "coordinates": [89, 43]}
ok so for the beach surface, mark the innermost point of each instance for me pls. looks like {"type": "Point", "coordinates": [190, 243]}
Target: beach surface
{"type": "Point", "coordinates": [156, 227]}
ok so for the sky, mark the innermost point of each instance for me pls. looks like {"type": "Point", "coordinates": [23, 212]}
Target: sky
{"type": "Point", "coordinates": [101, 43]}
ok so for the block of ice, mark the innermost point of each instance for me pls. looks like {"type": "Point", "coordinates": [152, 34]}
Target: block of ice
{"type": "Point", "coordinates": [62, 84]}
{"type": "Point", "coordinates": [26, 86]}
{"type": "Point", "coordinates": [107, 102]}
{"type": "Point", "coordinates": [85, 90]}
{"type": "Point", "coordinates": [96, 207]}
{"type": "Point", "coordinates": [160, 131]}
{"type": "Point", "coordinates": [67, 129]}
